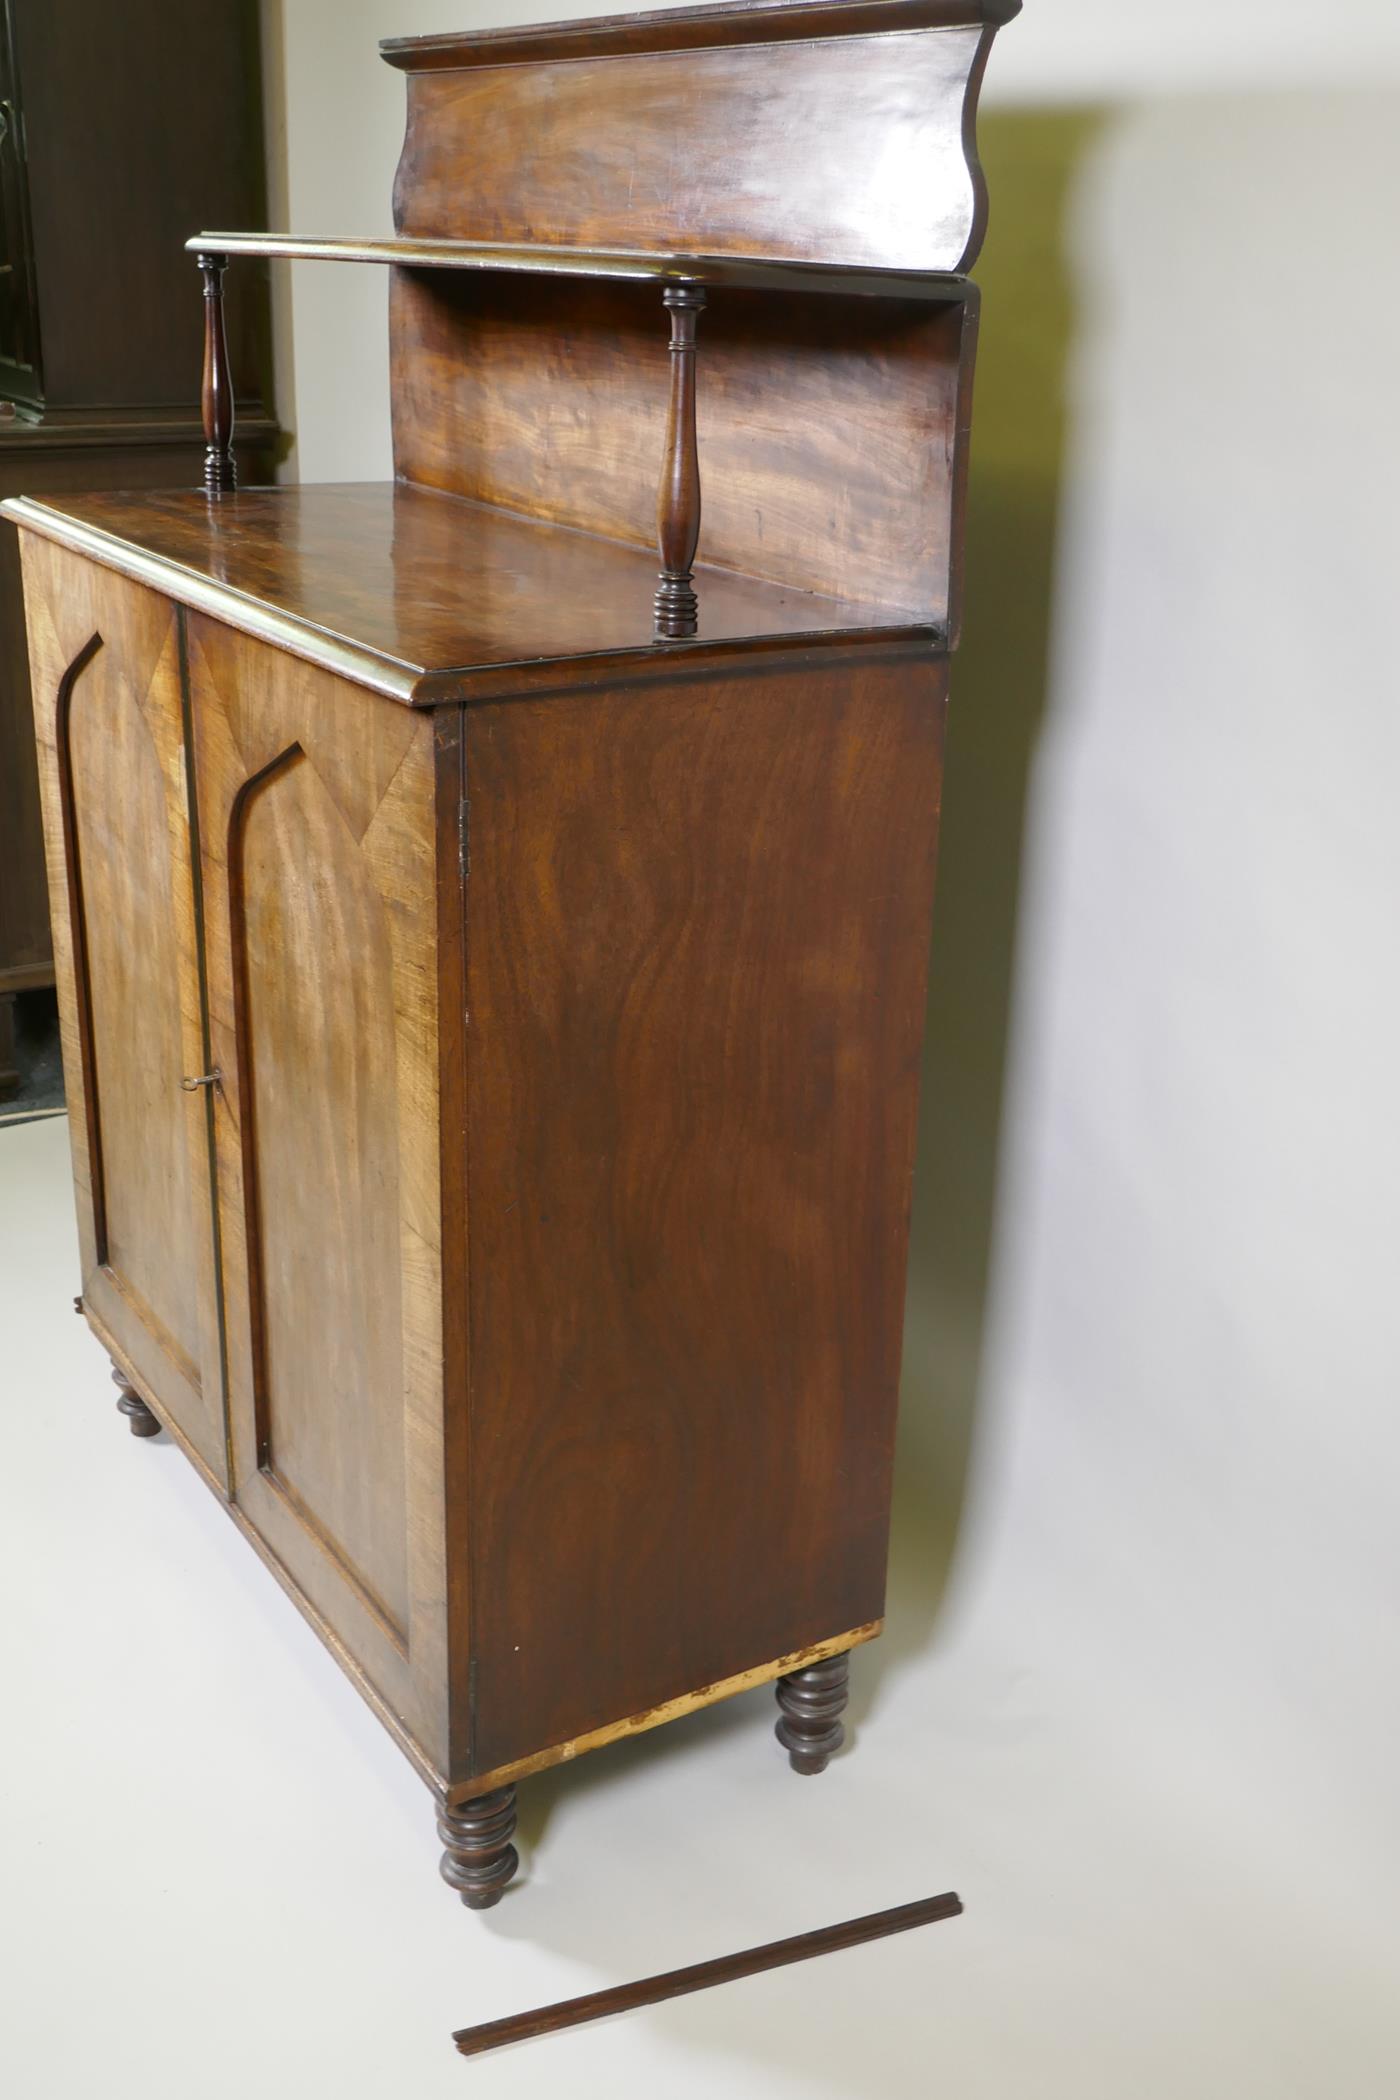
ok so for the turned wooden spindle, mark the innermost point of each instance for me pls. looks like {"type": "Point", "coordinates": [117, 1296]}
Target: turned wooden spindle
{"type": "Point", "coordinates": [139, 1419]}
{"type": "Point", "coordinates": [678, 504]}
{"type": "Point", "coordinates": [812, 1701]}
{"type": "Point", "coordinates": [479, 1858]}
{"type": "Point", "coordinates": [216, 398]}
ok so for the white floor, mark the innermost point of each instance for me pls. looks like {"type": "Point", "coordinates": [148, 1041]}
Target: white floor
{"type": "Point", "coordinates": [220, 1877]}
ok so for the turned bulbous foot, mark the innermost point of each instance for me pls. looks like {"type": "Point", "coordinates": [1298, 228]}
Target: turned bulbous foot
{"type": "Point", "coordinates": [479, 1859]}
{"type": "Point", "coordinates": [812, 1701]}
{"type": "Point", "coordinates": [139, 1419]}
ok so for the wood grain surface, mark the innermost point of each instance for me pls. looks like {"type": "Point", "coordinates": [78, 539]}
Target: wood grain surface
{"type": "Point", "coordinates": [849, 151]}
{"type": "Point", "coordinates": [105, 669]}
{"type": "Point", "coordinates": [317, 846]}
{"type": "Point", "coordinates": [697, 923]}
{"type": "Point", "coordinates": [830, 438]}
{"type": "Point", "coordinates": [424, 598]}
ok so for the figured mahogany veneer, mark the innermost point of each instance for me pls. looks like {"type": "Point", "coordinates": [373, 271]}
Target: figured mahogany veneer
{"type": "Point", "coordinates": [832, 435]}
{"type": "Point", "coordinates": [845, 140]}
{"type": "Point", "coordinates": [422, 597]}
{"type": "Point", "coordinates": [492, 974]}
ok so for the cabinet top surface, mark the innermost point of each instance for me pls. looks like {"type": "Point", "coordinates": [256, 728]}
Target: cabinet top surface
{"type": "Point", "coordinates": [426, 597]}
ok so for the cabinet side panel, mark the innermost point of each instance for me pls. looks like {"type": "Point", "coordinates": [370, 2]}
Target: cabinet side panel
{"type": "Point", "coordinates": [698, 921]}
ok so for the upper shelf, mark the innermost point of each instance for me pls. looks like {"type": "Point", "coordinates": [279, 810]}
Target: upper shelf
{"type": "Point", "coordinates": [739, 272]}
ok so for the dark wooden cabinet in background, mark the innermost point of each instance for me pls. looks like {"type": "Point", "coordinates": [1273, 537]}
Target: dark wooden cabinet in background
{"type": "Point", "coordinates": [492, 972]}
{"type": "Point", "coordinates": [121, 126]}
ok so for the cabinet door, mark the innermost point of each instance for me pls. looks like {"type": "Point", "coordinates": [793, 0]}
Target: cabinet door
{"type": "Point", "coordinates": [105, 663]}
{"type": "Point", "coordinates": [317, 831]}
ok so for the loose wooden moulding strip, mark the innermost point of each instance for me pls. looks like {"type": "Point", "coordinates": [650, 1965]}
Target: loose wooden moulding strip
{"type": "Point", "coordinates": [727, 1968]}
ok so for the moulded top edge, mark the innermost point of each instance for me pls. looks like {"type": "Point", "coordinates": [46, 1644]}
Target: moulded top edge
{"type": "Point", "coordinates": [428, 598]}
{"type": "Point", "coordinates": [688, 29]}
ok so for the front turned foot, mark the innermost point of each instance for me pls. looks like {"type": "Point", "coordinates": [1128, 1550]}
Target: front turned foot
{"type": "Point", "coordinates": [812, 1703]}
{"type": "Point", "coordinates": [480, 1858]}
{"type": "Point", "coordinates": [140, 1420]}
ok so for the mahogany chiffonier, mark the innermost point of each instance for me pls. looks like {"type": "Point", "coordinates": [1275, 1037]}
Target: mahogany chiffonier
{"type": "Point", "coordinates": [492, 974]}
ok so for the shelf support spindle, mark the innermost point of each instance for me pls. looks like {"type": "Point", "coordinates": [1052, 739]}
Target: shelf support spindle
{"type": "Point", "coordinates": [678, 504]}
{"type": "Point", "coordinates": [216, 399]}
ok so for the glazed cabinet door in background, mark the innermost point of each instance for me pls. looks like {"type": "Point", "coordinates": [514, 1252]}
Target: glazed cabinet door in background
{"type": "Point", "coordinates": [105, 664]}
{"type": "Point", "coordinates": [316, 812]}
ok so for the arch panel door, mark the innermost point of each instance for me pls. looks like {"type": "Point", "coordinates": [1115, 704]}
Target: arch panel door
{"type": "Point", "coordinates": [316, 822]}
{"type": "Point", "coordinates": [106, 673]}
